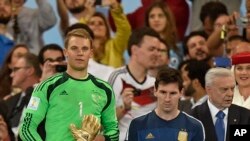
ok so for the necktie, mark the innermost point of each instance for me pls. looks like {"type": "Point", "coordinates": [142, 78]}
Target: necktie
{"type": "Point", "coordinates": [219, 126]}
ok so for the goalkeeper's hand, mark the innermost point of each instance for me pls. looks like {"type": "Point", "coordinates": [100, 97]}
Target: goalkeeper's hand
{"type": "Point", "coordinates": [88, 131]}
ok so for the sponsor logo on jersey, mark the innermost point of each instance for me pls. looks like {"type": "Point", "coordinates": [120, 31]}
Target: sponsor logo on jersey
{"type": "Point", "coordinates": [150, 136]}
{"type": "Point", "coordinates": [34, 103]}
{"type": "Point", "coordinates": [64, 93]}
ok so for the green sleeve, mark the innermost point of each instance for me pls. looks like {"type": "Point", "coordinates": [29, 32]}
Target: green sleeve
{"type": "Point", "coordinates": [109, 120]}
{"type": "Point", "coordinates": [33, 115]}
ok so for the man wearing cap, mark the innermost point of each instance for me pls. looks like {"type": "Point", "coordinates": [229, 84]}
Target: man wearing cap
{"type": "Point", "coordinates": [242, 77]}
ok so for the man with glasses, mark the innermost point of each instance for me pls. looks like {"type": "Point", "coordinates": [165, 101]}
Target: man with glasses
{"type": "Point", "coordinates": [218, 112]}
{"type": "Point", "coordinates": [162, 59]}
{"type": "Point", "coordinates": [25, 73]}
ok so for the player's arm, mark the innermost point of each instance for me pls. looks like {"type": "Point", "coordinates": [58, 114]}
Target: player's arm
{"type": "Point", "coordinates": [132, 132]}
{"type": "Point", "coordinates": [200, 133]}
{"type": "Point", "coordinates": [109, 119]}
{"type": "Point", "coordinates": [33, 115]}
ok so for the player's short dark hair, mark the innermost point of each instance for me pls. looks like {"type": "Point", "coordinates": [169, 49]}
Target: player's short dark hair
{"type": "Point", "coordinates": [168, 75]}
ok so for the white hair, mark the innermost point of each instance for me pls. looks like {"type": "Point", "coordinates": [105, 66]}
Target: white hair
{"type": "Point", "coordinates": [215, 73]}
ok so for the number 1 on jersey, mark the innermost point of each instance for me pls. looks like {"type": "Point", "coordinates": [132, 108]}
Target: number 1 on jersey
{"type": "Point", "coordinates": [80, 109]}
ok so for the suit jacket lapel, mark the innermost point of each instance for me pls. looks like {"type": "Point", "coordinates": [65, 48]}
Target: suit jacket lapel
{"type": "Point", "coordinates": [208, 123]}
{"type": "Point", "coordinates": [233, 118]}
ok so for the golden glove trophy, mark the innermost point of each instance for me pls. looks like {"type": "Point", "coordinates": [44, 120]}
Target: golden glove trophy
{"type": "Point", "coordinates": [88, 131]}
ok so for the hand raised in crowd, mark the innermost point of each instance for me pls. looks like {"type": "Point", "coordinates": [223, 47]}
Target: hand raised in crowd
{"type": "Point", "coordinates": [232, 24]}
{"type": "Point", "coordinates": [49, 68]}
{"type": "Point", "coordinates": [127, 97]}
{"type": "Point", "coordinates": [111, 3]}
{"type": "Point", "coordinates": [89, 8]}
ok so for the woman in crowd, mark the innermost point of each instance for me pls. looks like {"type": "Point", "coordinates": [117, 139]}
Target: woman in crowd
{"type": "Point", "coordinates": [160, 18]}
{"type": "Point", "coordinates": [109, 51]}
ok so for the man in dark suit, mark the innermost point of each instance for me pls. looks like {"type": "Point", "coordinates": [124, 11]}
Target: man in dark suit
{"type": "Point", "coordinates": [218, 112]}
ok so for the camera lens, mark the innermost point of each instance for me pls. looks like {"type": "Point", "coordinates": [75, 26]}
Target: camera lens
{"type": "Point", "coordinates": [61, 68]}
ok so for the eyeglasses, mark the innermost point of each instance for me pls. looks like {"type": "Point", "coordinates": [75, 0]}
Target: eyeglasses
{"type": "Point", "coordinates": [15, 69]}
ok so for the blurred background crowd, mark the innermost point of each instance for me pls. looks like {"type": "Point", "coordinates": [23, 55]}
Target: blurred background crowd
{"type": "Point", "coordinates": [194, 36]}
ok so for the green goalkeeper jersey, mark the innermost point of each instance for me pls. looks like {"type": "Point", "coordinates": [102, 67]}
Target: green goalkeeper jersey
{"type": "Point", "coordinates": [62, 100]}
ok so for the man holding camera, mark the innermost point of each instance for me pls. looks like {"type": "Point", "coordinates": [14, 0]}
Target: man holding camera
{"type": "Point", "coordinates": [51, 60]}
{"type": "Point", "coordinates": [132, 85]}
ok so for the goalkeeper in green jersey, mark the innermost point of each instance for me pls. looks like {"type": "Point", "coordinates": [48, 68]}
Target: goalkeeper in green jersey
{"type": "Point", "coordinates": [67, 98]}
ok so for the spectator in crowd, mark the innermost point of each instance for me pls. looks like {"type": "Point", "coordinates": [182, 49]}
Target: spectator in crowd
{"type": "Point", "coordinates": [218, 112]}
{"type": "Point", "coordinates": [179, 8]}
{"type": "Point", "coordinates": [6, 41]}
{"type": "Point", "coordinates": [195, 46]}
{"type": "Point", "coordinates": [194, 84]}
{"type": "Point", "coordinates": [210, 11]}
{"type": "Point", "coordinates": [25, 73]}
{"type": "Point", "coordinates": [182, 68]}
{"type": "Point", "coordinates": [223, 26]}
{"type": "Point", "coordinates": [243, 46]}
{"type": "Point", "coordinates": [133, 87]}
{"type": "Point", "coordinates": [5, 80]}
{"type": "Point", "coordinates": [241, 62]}
{"type": "Point", "coordinates": [233, 42]}
{"type": "Point", "coordinates": [51, 60]}
{"type": "Point", "coordinates": [166, 122]}
{"type": "Point", "coordinates": [76, 8]}
{"type": "Point", "coordinates": [74, 90]}
{"type": "Point", "coordinates": [198, 7]}
{"type": "Point", "coordinates": [162, 59]}
{"type": "Point", "coordinates": [159, 17]}
{"type": "Point", "coordinates": [28, 25]}
{"type": "Point", "coordinates": [105, 47]}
